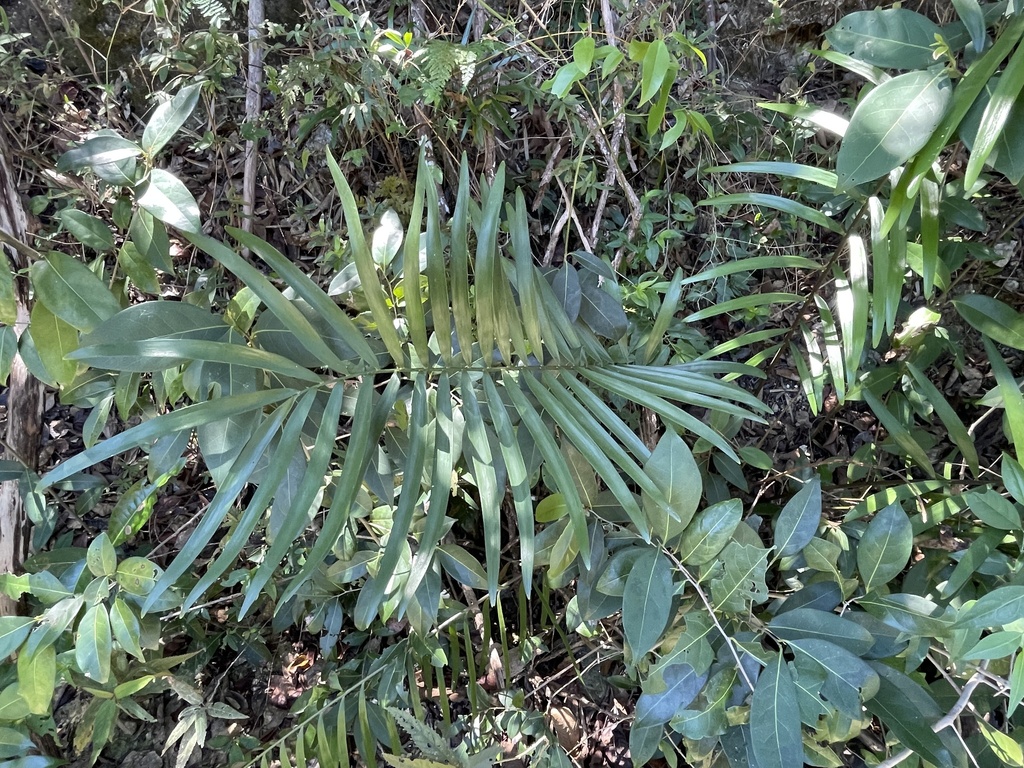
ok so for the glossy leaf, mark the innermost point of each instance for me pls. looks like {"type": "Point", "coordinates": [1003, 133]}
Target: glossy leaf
{"type": "Point", "coordinates": [891, 124]}
{"type": "Point", "coordinates": [680, 686]}
{"type": "Point", "coordinates": [150, 237]}
{"type": "Point", "coordinates": [799, 519]}
{"type": "Point", "coordinates": [54, 340]}
{"type": "Point", "coordinates": [884, 549]}
{"type": "Point", "coordinates": [999, 607]}
{"type": "Point", "coordinates": [898, 704]}
{"type": "Point", "coordinates": [90, 231]}
{"type": "Point", "coordinates": [126, 628]}
{"type": "Point", "coordinates": [810, 623]}
{"type": "Point", "coordinates": [775, 718]}
{"type": "Point", "coordinates": [13, 631]}
{"type": "Point", "coordinates": [672, 468]}
{"type": "Point", "coordinates": [895, 38]}
{"type": "Point", "coordinates": [168, 118]}
{"type": "Point", "coordinates": [169, 200]}
{"type": "Point", "coordinates": [992, 317]}
{"type": "Point", "coordinates": [710, 530]}
{"type": "Point", "coordinates": [72, 292]}
{"type": "Point", "coordinates": [37, 678]}
{"type": "Point", "coordinates": [93, 644]}
{"type": "Point", "coordinates": [647, 602]}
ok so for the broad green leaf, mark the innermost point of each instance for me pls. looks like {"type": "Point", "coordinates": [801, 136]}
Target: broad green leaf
{"type": "Point", "coordinates": [54, 340]}
{"type": "Point", "coordinates": [93, 644]}
{"type": "Point", "coordinates": [824, 119]}
{"type": "Point", "coordinates": [12, 705]}
{"type": "Point", "coordinates": [168, 117]}
{"type": "Point", "coordinates": [600, 311]}
{"type": "Point", "coordinates": [101, 557]}
{"type": "Point", "coordinates": [710, 530]}
{"type": "Point", "coordinates": [799, 519]}
{"type": "Point", "coordinates": [150, 238]}
{"type": "Point", "coordinates": [47, 588]}
{"type": "Point", "coordinates": [14, 743]}
{"type": "Point", "coordinates": [973, 19]}
{"type": "Point", "coordinates": [613, 578]}
{"type": "Point", "coordinates": [737, 577]}
{"type": "Point", "coordinates": [90, 231]}
{"type": "Point", "coordinates": [848, 679]}
{"type": "Point", "coordinates": [999, 607]}
{"type": "Point", "coordinates": [909, 712]}
{"type": "Point", "coordinates": [647, 602]}
{"type": "Point", "coordinates": [98, 150]}
{"type": "Point", "coordinates": [884, 549]}
{"type": "Point", "coordinates": [992, 317]}
{"type": "Point", "coordinates": [136, 576]}
{"type": "Point", "coordinates": [657, 63]}
{"type": "Point", "coordinates": [132, 510]}
{"type": "Point", "coordinates": [37, 678]}
{"type": "Point", "coordinates": [680, 685]}
{"type": "Point", "coordinates": [8, 302]}
{"type": "Point", "coordinates": [462, 566]}
{"type": "Point", "coordinates": [1016, 684]}
{"type": "Point", "coordinates": [126, 628]}
{"type": "Point", "coordinates": [13, 631]}
{"type": "Point", "coordinates": [895, 38]}
{"type": "Point", "coordinates": [169, 200]}
{"type": "Point", "coordinates": [775, 718]}
{"type": "Point", "coordinates": [675, 473]}
{"type": "Point", "coordinates": [809, 623]}
{"type": "Point", "coordinates": [387, 239]}
{"type": "Point", "coordinates": [998, 645]}
{"type": "Point", "coordinates": [158, 319]}
{"type": "Point", "coordinates": [891, 124]}
{"type": "Point", "coordinates": [1006, 750]}
{"type": "Point", "coordinates": [995, 117]}
{"type": "Point", "coordinates": [993, 510]}
{"type": "Point", "coordinates": [72, 292]}
{"type": "Point", "coordinates": [138, 269]}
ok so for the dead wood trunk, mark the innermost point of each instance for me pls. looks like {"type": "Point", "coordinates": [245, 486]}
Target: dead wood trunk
{"type": "Point", "coordinates": [24, 393]}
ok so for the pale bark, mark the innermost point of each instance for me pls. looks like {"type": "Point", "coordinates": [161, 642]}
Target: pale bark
{"type": "Point", "coordinates": [24, 394]}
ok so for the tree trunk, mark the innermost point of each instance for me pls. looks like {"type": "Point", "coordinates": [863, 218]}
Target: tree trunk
{"type": "Point", "coordinates": [24, 394]}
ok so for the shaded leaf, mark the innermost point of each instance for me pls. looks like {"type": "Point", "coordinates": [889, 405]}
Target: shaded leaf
{"type": "Point", "coordinates": [895, 38]}
{"type": "Point", "coordinates": [775, 718]}
{"type": "Point", "coordinates": [798, 521]}
{"type": "Point", "coordinates": [884, 549]}
{"type": "Point", "coordinates": [647, 602]}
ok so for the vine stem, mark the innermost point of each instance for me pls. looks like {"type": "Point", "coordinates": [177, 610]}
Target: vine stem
{"type": "Point", "coordinates": [947, 720]}
{"type": "Point", "coordinates": [711, 612]}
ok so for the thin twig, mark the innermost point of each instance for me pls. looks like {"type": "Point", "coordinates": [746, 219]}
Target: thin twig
{"type": "Point", "coordinates": [711, 612]}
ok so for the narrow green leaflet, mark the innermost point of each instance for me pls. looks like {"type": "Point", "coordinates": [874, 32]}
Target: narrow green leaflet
{"type": "Point", "coordinates": [820, 176]}
{"type": "Point", "coordinates": [884, 549]}
{"type": "Point", "coordinates": [891, 124]}
{"type": "Point", "coordinates": [93, 644]}
{"type": "Point", "coordinates": [899, 432]}
{"type": "Point", "coordinates": [71, 291]}
{"type": "Point", "coordinates": [1001, 606]}
{"type": "Point", "coordinates": [947, 414]}
{"type": "Point", "coordinates": [710, 530]}
{"type": "Point", "coordinates": [995, 319]}
{"type": "Point", "coordinates": [973, 19]}
{"type": "Point", "coordinates": [176, 421]}
{"type": "Point", "coordinates": [1006, 156]}
{"type": "Point", "coordinates": [372, 593]}
{"type": "Point", "coordinates": [647, 602]}
{"type": "Point", "coordinates": [775, 718]}
{"type": "Point", "coordinates": [1013, 401]}
{"type": "Point", "coordinates": [150, 237]}
{"type": "Point", "coordinates": [799, 519]}
{"type": "Point", "coordinates": [895, 38]}
{"type": "Point", "coordinates": [994, 119]}
{"type": "Point", "coordinates": [169, 200]}
{"type": "Point", "coordinates": [785, 205]}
